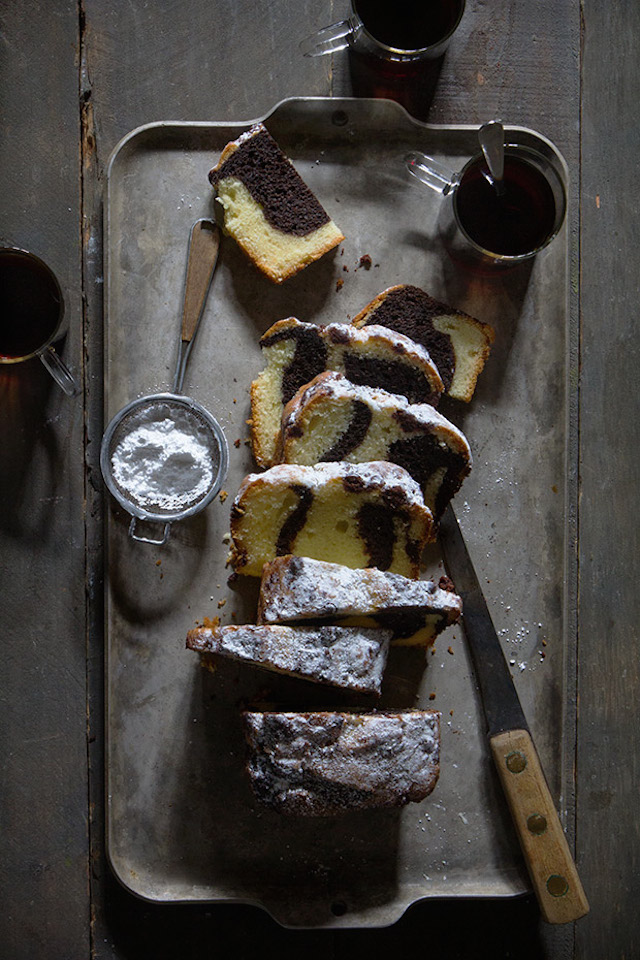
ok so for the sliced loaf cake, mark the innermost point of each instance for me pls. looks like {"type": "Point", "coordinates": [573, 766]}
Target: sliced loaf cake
{"type": "Point", "coordinates": [457, 343]}
{"type": "Point", "coordinates": [327, 763]}
{"type": "Point", "coordinates": [297, 589]}
{"type": "Point", "coordinates": [334, 419]}
{"type": "Point", "coordinates": [360, 515]}
{"type": "Point", "coordinates": [296, 352]}
{"type": "Point", "coordinates": [268, 208]}
{"type": "Point", "coordinates": [349, 657]}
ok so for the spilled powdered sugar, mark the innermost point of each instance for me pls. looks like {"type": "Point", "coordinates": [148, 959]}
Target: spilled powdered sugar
{"type": "Point", "coordinates": [164, 462]}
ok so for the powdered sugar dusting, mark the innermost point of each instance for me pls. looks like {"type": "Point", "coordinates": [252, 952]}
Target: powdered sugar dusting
{"type": "Point", "coordinates": [164, 461]}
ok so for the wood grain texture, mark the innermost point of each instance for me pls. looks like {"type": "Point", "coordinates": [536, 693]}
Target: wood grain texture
{"type": "Point", "coordinates": [224, 59]}
{"type": "Point", "coordinates": [43, 810]}
{"type": "Point", "coordinates": [608, 756]}
{"type": "Point", "coordinates": [201, 262]}
{"type": "Point", "coordinates": [549, 860]}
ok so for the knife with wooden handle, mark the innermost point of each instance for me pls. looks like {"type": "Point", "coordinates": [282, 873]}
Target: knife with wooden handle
{"type": "Point", "coordinates": [551, 866]}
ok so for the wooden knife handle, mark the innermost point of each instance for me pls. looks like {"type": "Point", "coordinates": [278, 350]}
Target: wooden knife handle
{"type": "Point", "coordinates": [202, 256]}
{"type": "Point", "coordinates": [552, 869]}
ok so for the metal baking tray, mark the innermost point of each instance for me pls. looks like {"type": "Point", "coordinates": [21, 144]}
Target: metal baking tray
{"type": "Point", "coordinates": [182, 824]}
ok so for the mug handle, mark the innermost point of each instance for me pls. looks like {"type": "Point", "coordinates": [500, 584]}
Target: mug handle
{"type": "Point", "coordinates": [328, 40]}
{"type": "Point", "coordinates": [59, 371]}
{"type": "Point", "coordinates": [431, 172]}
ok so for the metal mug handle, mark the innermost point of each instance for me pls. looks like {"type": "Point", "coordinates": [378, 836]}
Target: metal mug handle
{"type": "Point", "coordinates": [59, 371]}
{"type": "Point", "coordinates": [157, 543]}
{"type": "Point", "coordinates": [432, 173]}
{"type": "Point", "coordinates": [334, 37]}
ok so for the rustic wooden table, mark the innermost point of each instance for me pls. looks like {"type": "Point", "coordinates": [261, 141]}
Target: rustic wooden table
{"type": "Point", "coordinates": [76, 77]}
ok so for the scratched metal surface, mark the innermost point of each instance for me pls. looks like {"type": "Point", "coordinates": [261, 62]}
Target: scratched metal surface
{"type": "Point", "coordinates": [182, 824]}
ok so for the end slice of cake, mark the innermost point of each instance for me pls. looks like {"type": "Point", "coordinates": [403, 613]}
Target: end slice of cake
{"type": "Point", "coordinates": [297, 589]}
{"type": "Point", "coordinates": [458, 344]}
{"type": "Point", "coordinates": [348, 657]}
{"type": "Point", "coordinates": [360, 515]}
{"type": "Point", "coordinates": [334, 419]}
{"type": "Point", "coordinates": [268, 208]}
{"type": "Point", "coordinates": [297, 352]}
{"type": "Point", "coordinates": [328, 763]}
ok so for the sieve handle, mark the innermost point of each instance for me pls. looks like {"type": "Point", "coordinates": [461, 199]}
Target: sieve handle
{"type": "Point", "coordinates": [204, 244]}
{"type": "Point", "coordinates": [135, 536]}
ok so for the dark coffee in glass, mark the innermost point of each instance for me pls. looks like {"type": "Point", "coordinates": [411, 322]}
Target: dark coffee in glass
{"type": "Point", "coordinates": [512, 220]}
{"type": "Point", "coordinates": [407, 24]}
{"type": "Point", "coordinates": [30, 305]}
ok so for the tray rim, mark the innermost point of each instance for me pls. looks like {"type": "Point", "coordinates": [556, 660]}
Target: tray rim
{"type": "Point", "coordinates": [569, 667]}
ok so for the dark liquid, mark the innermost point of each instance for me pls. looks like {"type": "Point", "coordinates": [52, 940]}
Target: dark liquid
{"type": "Point", "coordinates": [408, 25]}
{"type": "Point", "coordinates": [30, 305]}
{"type": "Point", "coordinates": [516, 223]}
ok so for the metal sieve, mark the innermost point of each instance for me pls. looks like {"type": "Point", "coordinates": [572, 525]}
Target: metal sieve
{"type": "Point", "coordinates": [174, 410]}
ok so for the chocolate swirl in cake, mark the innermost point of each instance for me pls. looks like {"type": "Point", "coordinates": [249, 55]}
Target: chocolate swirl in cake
{"type": "Point", "coordinates": [354, 434]}
{"type": "Point", "coordinates": [423, 455]}
{"type": "Point", "coordinates": [411, 311]}
{"type": "Point", "coordinates": [286, 201]}
{"type": "Point", "coordinates": [295, 521]}
{"type": "Point", "coordinates": [390, 376]}
{"type": "Point", "coordinates": [309, 358]}
{"type": "Point", "coordinates": [377, 530]}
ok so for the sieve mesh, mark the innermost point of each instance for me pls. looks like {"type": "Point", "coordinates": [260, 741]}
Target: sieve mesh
{"type": "Point", "coordinates": [149, 477]}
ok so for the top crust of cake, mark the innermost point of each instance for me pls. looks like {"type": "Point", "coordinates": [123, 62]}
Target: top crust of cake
{"type": "Point", "coordinates": [323, 764]}
{"type": "Point", "coordinates": [375, 474]}
{"type": "Point", "coordinates": [295, 588]}
{"type": "Point", "coordinates": [349, 657]}
{"type": "Point", "coordinates": [458, 343]}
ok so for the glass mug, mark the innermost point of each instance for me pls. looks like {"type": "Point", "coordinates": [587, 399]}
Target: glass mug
{"type": "Point", "coordinates": [403, 33]}
{"type": "Point", "coordinates": [31, 312]}
{"type": "Point", "coordinates": [499, 224]}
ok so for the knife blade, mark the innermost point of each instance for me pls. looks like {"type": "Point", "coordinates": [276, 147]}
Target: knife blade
{"type": "Point", "coordinates": [546, 852]}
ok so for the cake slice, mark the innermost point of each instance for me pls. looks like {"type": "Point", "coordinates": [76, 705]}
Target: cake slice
{"type": "Point", "coordinates": [458, 343]}
{"type": "Point", "coordinates": [268, 208]}
{"type": "Point", "coordinates": [297, 589]}
{"type": "Point", "coordinates": [360, 515]}
{"type": "Point", "coordinates": [327, 763]}
{"type": "Point", "coordinates": [334, 419]}
{"type": "Point", "coordinates": [348, 657]}
{"type": "Point", "coordinates": [297, 352]}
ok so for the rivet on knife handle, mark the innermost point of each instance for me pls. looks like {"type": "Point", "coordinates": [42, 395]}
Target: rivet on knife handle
{"type": "Point", "coordinates": [553, 872]}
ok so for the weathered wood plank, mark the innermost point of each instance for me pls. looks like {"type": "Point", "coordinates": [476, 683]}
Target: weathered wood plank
{"type": "Point", "coordinates": [43, 814]}
{"type": "Point", "coordinates": [608, 755]}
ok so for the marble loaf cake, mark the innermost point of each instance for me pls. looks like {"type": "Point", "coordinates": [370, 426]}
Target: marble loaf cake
{"type": "Point", "coordinates": [348, 657]}
{"type": "Point", "coordinates": [297, 589]}
{"type": "Point", "coordinates": [359, 515]}
{"type": "Point", "coordinates": [458, 343]}
{"type": "Point", "coordinates": [297, 352]}
{"type": "Point", "coordinates": [326, 764]}
{"type": "Point", "coordinates": [334, 419]}
{"type": "Point", "coordinates": [268, 208]}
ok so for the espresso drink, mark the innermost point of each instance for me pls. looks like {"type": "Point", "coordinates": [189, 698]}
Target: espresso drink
{"type": "Point", "coordinates": [30, 304]}
{"type": "Point", "coordinates": [510, 223]}
{"type": "Point", "coordinates": [408, 24]}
